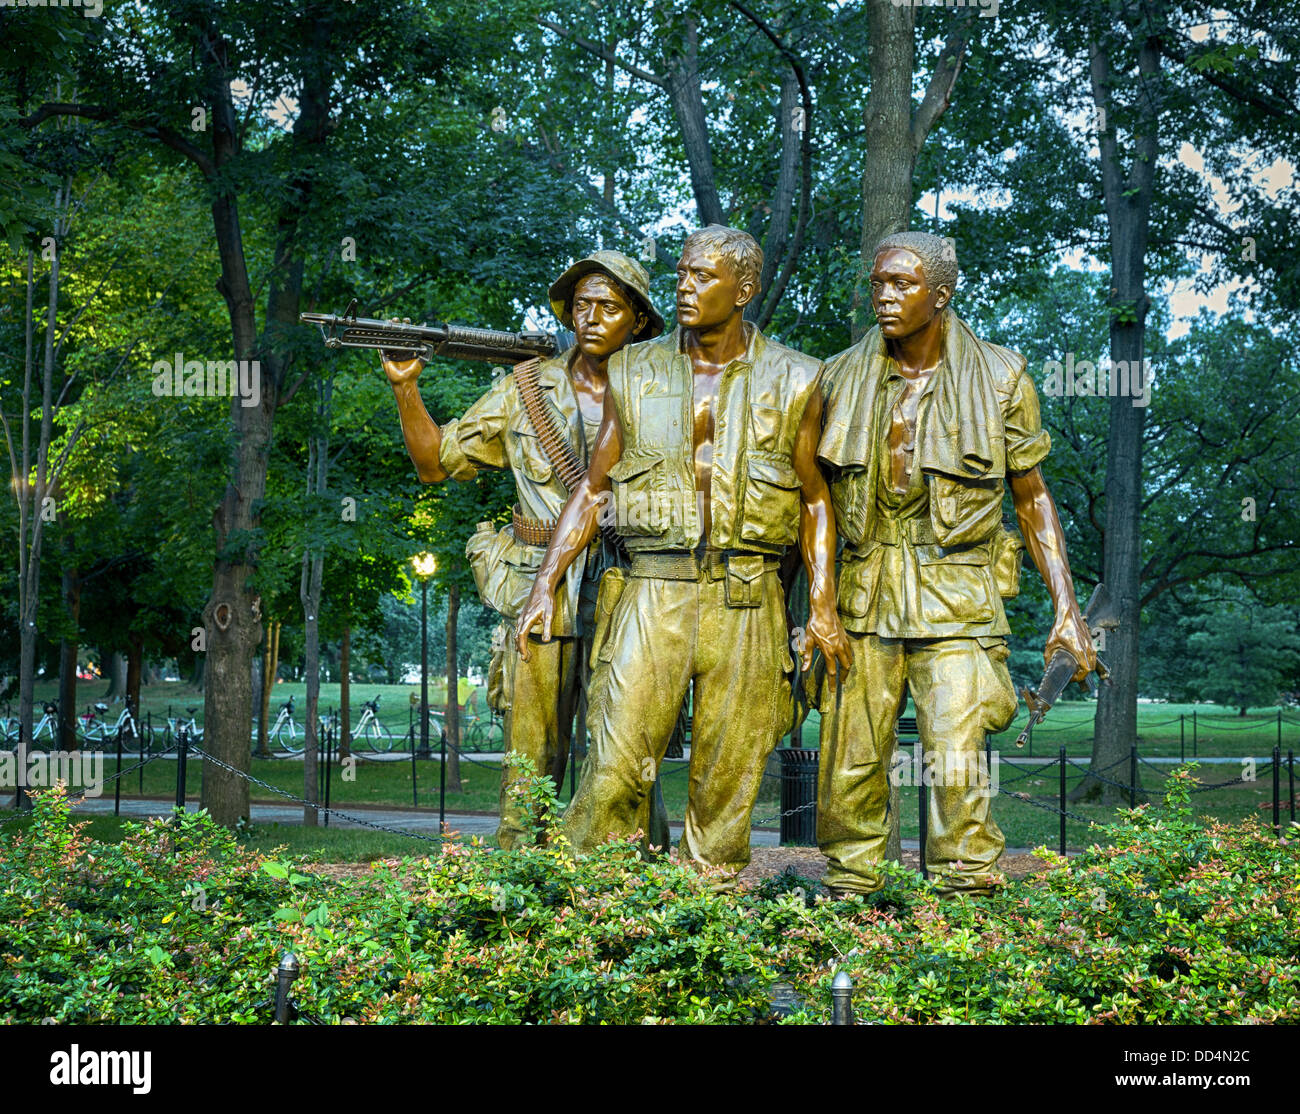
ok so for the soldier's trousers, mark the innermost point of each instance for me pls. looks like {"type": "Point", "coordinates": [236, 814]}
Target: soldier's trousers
{"type": "Point", "coordinates": [663, 634]}
{"type": "Point", "coordinates": [542, 696]}
{"type": "Point", "coordinates": [961, 691]}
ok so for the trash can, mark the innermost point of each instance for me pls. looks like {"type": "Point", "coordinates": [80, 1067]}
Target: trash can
{"type": "Point", "coordinates": [798, 792]}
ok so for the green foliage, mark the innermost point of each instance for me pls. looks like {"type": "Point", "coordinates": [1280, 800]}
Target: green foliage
{"type": "Point", "coordinates": [1176, 922]}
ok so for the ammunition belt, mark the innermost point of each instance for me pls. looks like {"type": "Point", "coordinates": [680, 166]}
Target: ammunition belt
{"type": "Point", "coordinates": [554, 444]}
{"type": "Point", "coordinates": [530, 531]}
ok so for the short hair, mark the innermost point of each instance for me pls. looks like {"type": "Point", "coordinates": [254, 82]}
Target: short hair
{"type": "Point", "coordinates": [937, 254]}
{"type": "Point", "coordinates": [739, 249]}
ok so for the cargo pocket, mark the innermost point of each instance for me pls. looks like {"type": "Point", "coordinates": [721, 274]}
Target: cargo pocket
{"type": "Point", "coordinates": [771, 513]}
{"type": "Point", "coordinates": [956, 586]}
{"type": "Point", "coordinates": [611, 591]}
{"type": "Point", "coordinates": [744, 581]}
{"type": "Point", "coordinates": [637, 496]}
{"type": "Point", "coordinates": [998, 701]}
{"type": "Point", "coordinates": [966, 510]}
{"type": "Point", "coordinates": [503, 569]}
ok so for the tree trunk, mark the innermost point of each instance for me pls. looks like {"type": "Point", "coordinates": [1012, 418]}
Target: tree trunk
{"type": "Point", "coordinates": [313, 565]}
{"type": "Point", "coordinates": [68, 649]}
{"type": "Point", "coordinates": [890, 159]}
{"type": "Point", "coordinates": [1128, 214]}
{"type": "Point", "coordinates": [345, 693]}
{"type": "Point", "coordinates": [270, 666]}
{"type": "Point", "coordinates": [115, 670]}
{"type": "Point", "coordinates": [452, 718]}
{"type": "Point", "coordinates": [134, 663]}
{"type": "Point", "coordinates": [682, 83]}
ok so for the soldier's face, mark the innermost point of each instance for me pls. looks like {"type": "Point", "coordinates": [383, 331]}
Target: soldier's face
{"type": "Point", "coordinates": [603, 318]}
{"type": "Point", "coordinates": [708, 292]}
{"type": "Point", "coordinates": [904, 302]}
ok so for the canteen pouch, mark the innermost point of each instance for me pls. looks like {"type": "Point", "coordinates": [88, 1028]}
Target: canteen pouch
{"type": "Point", "coordinates": [744, 581]}
{"type": "Point", "coordinates": [1008, 549]}
{"type": "Point", "coordinates": [612, 584]}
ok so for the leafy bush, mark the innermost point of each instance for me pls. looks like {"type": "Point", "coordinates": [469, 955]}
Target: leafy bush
{"type": "Point", "coordinates": [1174, 923]}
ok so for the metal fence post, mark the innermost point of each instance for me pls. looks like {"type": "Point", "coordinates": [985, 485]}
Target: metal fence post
{"type": "Point", "coordinates": [117, 780]}
{"type": "Point", "coordinates": [184, 736]}
{"type": "Point", "coordinates": [147, 748]}
{"type": "Point", "coordinates": [1062, 798]}
{"type": "Point", "coordinates": [1182, 741]}
{"type": "Point", "coordinates": [1277, 791]}
{"type": "Point", "coordinates": [329, 762]}
{"type": "Point", "coordinates": [841, 999]}
{"type": "Point", "coordinates": [923, 819]}
{"type": "Point", "coordinates": [1290, 780]}
{"type": "Point", "coordinates": [1194, 750]}
{"type": "Point", "coordinates": [284, 976]}
{"type": "Point", "coordinates": [1133, 776]}
{"type": "Point", "coordinates": [415, 787]}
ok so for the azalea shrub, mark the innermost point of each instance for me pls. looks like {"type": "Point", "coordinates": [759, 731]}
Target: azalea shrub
{"type": "Point", "coordinates": [1174, 922]}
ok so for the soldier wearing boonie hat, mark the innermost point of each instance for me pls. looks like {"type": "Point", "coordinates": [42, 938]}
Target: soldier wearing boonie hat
{"type": "Point", "coordinates": [604, 298]}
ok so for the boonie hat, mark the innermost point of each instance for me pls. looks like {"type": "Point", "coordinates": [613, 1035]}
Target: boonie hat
{"type": "Point", "coordinates": [627, 272]}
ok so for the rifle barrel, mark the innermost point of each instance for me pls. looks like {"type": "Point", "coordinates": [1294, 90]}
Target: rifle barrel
{"type": "Point", "coordinates": [449, 341]}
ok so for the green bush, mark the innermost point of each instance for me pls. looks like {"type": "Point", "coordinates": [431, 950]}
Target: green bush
{"type": "Point", "coordinates": [1174, 923]}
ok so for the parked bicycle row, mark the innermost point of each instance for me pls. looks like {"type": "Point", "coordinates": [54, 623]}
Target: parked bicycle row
{"type": "Point", "coordinates": [96, 730]}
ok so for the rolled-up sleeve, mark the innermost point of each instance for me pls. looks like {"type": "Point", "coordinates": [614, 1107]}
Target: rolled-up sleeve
{"type": "Point", "coordinates": [477, 440]}
{"type": "Point", "coordinates": [1027, 441]}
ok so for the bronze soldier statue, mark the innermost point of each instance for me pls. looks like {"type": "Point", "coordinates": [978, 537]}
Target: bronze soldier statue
{"type": "Point", "coordinates": [923, 425]}
{"type": "Point", "coordinates": [605, 300]}
{"type": "Point", "coordinates": [708, 442]}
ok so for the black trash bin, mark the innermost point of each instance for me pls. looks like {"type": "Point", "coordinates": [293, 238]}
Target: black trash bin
{"type": "Point", "coordinates": [798, 792]}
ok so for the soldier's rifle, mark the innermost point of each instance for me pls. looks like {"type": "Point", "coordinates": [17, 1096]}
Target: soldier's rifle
{"type": "Point", "coordinates": [1101, 613]}
{"type": "Point", "coordinates": [455, 342]}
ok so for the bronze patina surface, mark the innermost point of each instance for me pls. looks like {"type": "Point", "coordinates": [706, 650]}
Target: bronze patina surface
{"type": "Point", "coordinates": [708, 447]}
{"type": "Point", "coordinates": [924, 427]}
{"type": "Point", "coordinates": [604, 298]}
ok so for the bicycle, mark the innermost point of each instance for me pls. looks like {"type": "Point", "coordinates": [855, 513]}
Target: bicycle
{"type": "Point", "coordinates": [48, 725]}
{"type": "Point", "coordinates": [175, 723]}
{"type": "Point", "coordinates": [372, 729]}
{"type": "Point", "coordinates": [284, 732]}
{"type": "Point", "coordinates": [96, 732]}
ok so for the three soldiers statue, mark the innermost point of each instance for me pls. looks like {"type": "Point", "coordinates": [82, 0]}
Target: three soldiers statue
{"type": "Point", "coordinates": [709, 452]}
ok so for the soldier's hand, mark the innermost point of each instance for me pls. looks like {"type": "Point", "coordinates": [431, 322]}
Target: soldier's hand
{"type": "Point", "coordinates": [539, 609]}
{"type": "Point", "coordinates": [1070, 633]}
{"type": "Point", "coordinates": [826, 633]}
{"type": "Point", "coordinates": [400, 366]}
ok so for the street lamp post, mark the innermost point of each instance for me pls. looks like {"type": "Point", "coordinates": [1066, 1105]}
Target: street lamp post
{"type": "Point", "coordinates": [425, 566]}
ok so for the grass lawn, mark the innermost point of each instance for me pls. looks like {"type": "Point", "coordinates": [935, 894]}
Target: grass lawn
{"type": "Point", "coordinates": [1216, 731]}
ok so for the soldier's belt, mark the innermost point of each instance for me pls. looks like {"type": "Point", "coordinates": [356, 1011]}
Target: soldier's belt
{"type": "Point", "coordinates": [530, 531]}
{"type": "Point", "coordinates": [918, 530]}
{"type": "Point", "coordinates": [685, 566]}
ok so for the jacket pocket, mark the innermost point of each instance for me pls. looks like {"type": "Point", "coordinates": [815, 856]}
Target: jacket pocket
{"type": "Point", "coordinates": [1008, 551]}
{"type": "Point", "coordinates": [530, 457]}
{"type": "Point", "coordinates": [965, 511]}
{"type": "Point", "coordinates": [639, 491]}
{"type": "Point", "coordinates": [857, 583]}
{"type": "Point", "coordinates": [771, 511]}
{"type": "Point", "coordinates": [956, 585]}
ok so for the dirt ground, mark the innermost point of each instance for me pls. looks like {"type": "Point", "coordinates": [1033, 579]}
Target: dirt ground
{"type": "Point", "coordinates": [766, 862]}
{"type": "Point", "coordinates": [811, 863]}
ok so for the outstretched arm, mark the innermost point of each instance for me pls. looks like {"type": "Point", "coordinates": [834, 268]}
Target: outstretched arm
{"type": "Point", "coordinates": [574, 531]}
{"type": "Point", "coordinates": [420, 432]}
{"type": "Point", "coordinates": [1045, 540]}
{"type": "Point", "coordinates": [817, 544]}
